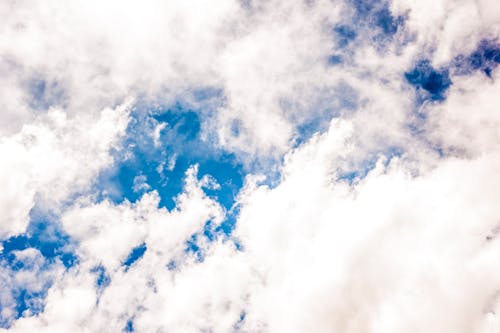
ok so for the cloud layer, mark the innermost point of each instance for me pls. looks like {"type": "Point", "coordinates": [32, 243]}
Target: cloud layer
{"type": "Point", "coordinates": [249, 166]}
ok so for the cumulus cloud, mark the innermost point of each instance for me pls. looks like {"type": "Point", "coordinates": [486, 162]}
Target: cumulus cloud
{"type": "Point", "coordinates": [393, 252]}
{"type": "Point", "coordinates": [53, 158]}
{"type": "Point", "coordinates": [365, 134]}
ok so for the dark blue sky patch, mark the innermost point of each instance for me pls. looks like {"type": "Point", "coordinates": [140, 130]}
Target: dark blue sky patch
{"type": "Point", "coordinates": [12, 244]}
{"type": "Point", "coordinates": [129, 326]}
{"type": "Point", "coordinates": [29, 300]}
{"type": "Point", "coordinates": [344, 34]}
{"type": "Point", "coordinates": [429, 82]}
{"type": "Point", "coordinates": [136, 254]}
{"type": "Point", "coordinates": [388, 23]}
{"type": "Point", "coordinates": [485, 58]}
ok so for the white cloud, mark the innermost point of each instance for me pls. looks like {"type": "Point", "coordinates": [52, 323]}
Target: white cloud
{"type": "Point", "coordinates": [32, 275]}
{"type": "Point", "coordinates": [259, 57]}
{"type": "Point", "coordinates": [193, 295]}
{"type": "Point", "coordinates": [410, 247]}
{"type": "Point", "coordinates": [52, 159]}
{"type": "Point", "coordinates": [468, 121]}
{"type": "Point", "coordinates": [449, 27]}
{"type": "Point", "coordinates": [393, 253]}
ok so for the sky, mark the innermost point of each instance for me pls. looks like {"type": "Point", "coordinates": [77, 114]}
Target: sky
{"type": "Point", "coordinates": [250, 166]}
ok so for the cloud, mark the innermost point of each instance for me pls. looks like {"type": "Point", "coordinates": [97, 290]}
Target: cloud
{"type": "Point", "coordinates": [52, 159]}
{"type": "Point", "coordinates": [152, 51]}
{"type": "Point", "coordinates": [108, 234]}
{"type": "Point", "coordinates": [393, 252]}
{"type": "Point", "coordinates": [26, 276]}
{"type": "Point", "coordinates": [467, 122]}
{"type": "Point", "coordinates": [249, 166]}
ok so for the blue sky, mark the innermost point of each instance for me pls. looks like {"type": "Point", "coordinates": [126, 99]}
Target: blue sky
{"type": "Point", "coordinates": [249, 166]}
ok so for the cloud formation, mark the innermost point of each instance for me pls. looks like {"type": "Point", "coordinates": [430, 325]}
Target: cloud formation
{"type": "Point", "coordinates": [249, 166]}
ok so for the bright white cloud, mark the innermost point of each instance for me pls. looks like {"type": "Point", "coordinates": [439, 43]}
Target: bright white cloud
{"type": "Point", "coordinates": [394, 252]}
{"type": "Point", "coordinates": [52, 159]}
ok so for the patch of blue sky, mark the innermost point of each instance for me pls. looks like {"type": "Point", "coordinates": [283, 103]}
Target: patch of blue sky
{"type": "Point", "coordinates": [334, 59]}
{"type": "Point", "coordinates": [172, 265]}
{"type": "Point", "coordinates": [43, 94]}
{"type": "Point", "coordinates": [192, 246]}
{"type": "Point", "coordinates": [388, 23]}
{"type": "Point", "coordinates": [353, 173]}
{"type": "Point", "coordinates": [432, 84]}
{"type": "Point", "coordinates": [365, 21]}
{"type": "Point", "coordinates": [429, 82]}
{"type": "Point", "coordinates": [136, 254]}
{"type": "Point", "coordinates": [45, 234]}
{"type": "Point", "coordinates": [325, 106]}
{"type": "Point", "coordinates": [312, 126]}
{"type": "Point", "coordinates": [211, 231]}
{"type": "Point", "coordinates": [28, 303]}
{"type": "Point", "coordinates": [344, 34]}
{"type": "Point", "coordinates": [129, 326]}
{"type": "Point", "coordinates": [377, 14]}
{"type": "Point", "coordinates": [28, 298]}
{"type": "Point", "coordinates": [102, 277]}
{"type": "Point", "coordinates": [484, 58]}
{"type": "Point", "coordinates": [160, 146]}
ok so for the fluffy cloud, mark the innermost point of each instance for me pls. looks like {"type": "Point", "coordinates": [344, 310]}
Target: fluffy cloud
{"type": "Point", "coordinates": [165, 282]}
{"type": "Point", "coordinates": [375, 124]}
{"type": "Point", "coordinates": [266, 58]}
{"type": "Point", "coordinates": [53, 158]}
{"type": "Point", "coordinates": [25, 274]}
{"type": "Point", "coordinates": [467, 122]}
{"type": "Point", "coordinates": [393, 252]}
